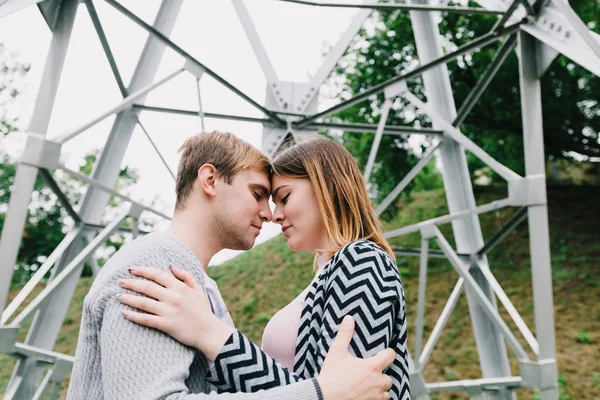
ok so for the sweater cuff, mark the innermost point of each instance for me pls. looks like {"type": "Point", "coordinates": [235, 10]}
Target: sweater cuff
{"type": "Point", "coordinates": [317, 388]}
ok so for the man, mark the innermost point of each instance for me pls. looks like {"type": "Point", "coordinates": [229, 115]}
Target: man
{"type": "Point", "coordinates": [222, 201]}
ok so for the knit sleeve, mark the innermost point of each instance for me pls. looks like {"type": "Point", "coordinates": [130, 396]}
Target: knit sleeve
{"type": "Point", "coordinates": [363, 281]}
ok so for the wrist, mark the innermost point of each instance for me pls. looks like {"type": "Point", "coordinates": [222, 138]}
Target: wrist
{"type": "Point", "coordinates": [213, 337]}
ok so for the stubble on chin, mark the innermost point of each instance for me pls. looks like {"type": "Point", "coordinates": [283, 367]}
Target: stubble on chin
{"type": "Point", "coordinates": [226, 232]}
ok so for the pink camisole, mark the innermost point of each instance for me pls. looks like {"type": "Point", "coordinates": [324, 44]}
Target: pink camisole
{"type": "Point", "coordinates": [279, 337]}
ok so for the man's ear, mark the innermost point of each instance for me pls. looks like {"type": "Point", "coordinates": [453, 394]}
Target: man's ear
{"type": "Point", "coordinates": [207, 177]}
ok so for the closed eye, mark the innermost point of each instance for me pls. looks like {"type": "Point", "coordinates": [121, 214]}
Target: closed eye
{"type": "Point", "coordinates": [285, 199]}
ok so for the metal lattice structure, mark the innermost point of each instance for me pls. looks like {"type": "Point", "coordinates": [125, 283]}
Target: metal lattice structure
{"type": "Point", "coordinates": [539, 30]}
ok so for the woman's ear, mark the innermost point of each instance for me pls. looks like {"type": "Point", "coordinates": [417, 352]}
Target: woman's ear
{"type": "Point", "coordinates": [207, 177]}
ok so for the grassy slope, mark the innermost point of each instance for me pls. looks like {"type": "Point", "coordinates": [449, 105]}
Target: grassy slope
{"type": "Point", "coordinates": [258, 283]}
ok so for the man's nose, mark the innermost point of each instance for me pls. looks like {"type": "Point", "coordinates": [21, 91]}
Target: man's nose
{"type": "Point", "coordinates": [266, 215]}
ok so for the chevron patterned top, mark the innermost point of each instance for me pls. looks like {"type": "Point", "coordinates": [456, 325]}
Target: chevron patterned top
{"type": "Point", "coordinates": [360, 280]}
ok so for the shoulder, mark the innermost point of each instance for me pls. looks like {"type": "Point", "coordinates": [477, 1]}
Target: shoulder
{"type": "Point", "coordinates": [364, 257]}
{"type": "Point", "coordinates": [362, 252]}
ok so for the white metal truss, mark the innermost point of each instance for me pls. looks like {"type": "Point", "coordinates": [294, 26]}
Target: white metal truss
{"type": "Point", "coordinates": [539, 31]}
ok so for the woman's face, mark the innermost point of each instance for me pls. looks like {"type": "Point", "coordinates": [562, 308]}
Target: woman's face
{"type": "Point", "coordinates": [297, 211]}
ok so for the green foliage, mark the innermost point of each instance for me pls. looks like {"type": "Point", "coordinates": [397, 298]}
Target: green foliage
{"type": "Point", "coordinates": [583, 337]}
{"type": "Point", "coordinates": [46, 218]}
{"type": "Point", "coordinates": [386, 48]}
{"type": "Point", "coordinates": [11, 83]}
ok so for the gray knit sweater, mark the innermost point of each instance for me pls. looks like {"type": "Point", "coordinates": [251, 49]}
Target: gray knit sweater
{"type": "Point", "coordinates": [118, 359]}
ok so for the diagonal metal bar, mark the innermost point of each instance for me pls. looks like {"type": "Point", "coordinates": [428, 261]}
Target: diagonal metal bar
{"type": "Point", "coordinates": [397, 6]}
{"type": "Point", "coordinates": [120, 228]}
{"type": "Point", "coordinates": [504, 231]}
{"type": "Point", "coordinates": [39, 275]}
{"type": "Point", "coordinates": [371, 128]}
{"type": "Point", "coordinates": [69, 269]}
{"type": "Point", "coordinates": [459, 137]}
{"type": "Point", "coordinates": [510, 308]}
{"type": "Point", "coordinates": [579, 26]}
{"type": "Point", "coordinates": [484, 384]}
{"type": "Point", "coordinates": [441, 322]}
{"type": "Point", "coordinates": [492, 206]}
{"type": "Point", "coordinates": [200, 110]}
{"type": "Point", "coordinates": [156, 148]}
{"type": "Point", "coordinates": [155, 33]}
{"type": "Point", "coordinates": [416, 252]}
{"type": "Point", "coordinates": [62, 198]}
{"type": "Point", "coordinates": [378, 135]}
{"type": "Point", "coordinates": [99, 185]}
{"type": "Point", "coordinates": [483, 82]}
{"type": "Point", "coordinates": [482, 41]}
{"type": "Point", "coordinates": [511, 9]}
{"type": "Point", "coordinates": [105, 46]}
{"type": "Point", "coordinates": [350, 127]}
{"type": "Point", "coordinates": [420, 323]}
{"type": "Point", "coordinates": [123, 105]}
{"type": "Point", "coordinates": [332, 59]}
{"type": "Point", "coordinates": [407, 179]}
{"type": "Point", "coordinates": [487, 306]}
{"type": "Point", "coordinates": [259, 50]}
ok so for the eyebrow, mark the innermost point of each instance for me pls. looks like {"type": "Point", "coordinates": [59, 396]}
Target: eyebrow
{"type": "Point", "coordinates": [263, 189]}
{"type": "Point", "coordinates": [274, 194]}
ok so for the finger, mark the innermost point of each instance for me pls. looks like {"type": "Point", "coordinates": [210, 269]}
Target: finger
{"type": "Point", "coordinates": [186, 277]}
{"type": "Point", "coordinates": [149, 320]}
{"type": "Point", "coordinates": [387, 382]}
{"type": "Point", "coordinates": [149, 288]}
{"type": "Point", "coordinates": [141, 303]}
{"type": "Point", "coordinates": [344, 335]}
{"type": "Point", "coordinates": [383, 359]}
{"type": "Point", "coordinates": [163, 278]}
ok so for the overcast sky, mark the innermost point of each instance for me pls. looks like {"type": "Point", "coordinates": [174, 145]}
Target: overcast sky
{"type": "Point", "coordinates": [294, 36]}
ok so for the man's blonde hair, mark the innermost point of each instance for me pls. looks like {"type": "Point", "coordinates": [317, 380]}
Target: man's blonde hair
{"type": "Point", "coordinates": [340, 189]}
{"type": "Point", "coordinates": [226, 152]}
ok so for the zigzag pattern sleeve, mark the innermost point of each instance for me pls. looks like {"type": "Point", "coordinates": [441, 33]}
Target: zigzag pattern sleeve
{"type": "Point", "coordinates": [242, 367]}
{"type": "Point", "coordinates": [364, 282]}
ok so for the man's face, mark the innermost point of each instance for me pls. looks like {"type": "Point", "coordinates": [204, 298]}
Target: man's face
{"type": "Point", "coordinates": [241, 208]}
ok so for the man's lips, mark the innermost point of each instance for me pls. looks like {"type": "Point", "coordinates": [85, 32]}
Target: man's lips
{"type": "Point", "coordinates": [257, 227]}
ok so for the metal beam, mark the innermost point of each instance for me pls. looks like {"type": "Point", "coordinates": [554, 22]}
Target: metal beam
{"type": "Point", "coordinates": [481, 297]}
{"type": "Point", "coordinates": [16, 214]}
{"type": "Point", "coordinates": [485, 79]}
{"type": "Point", "coordinates": [123, 105]}
{"type": "Point", "coordinates": [399, 6]}
{"type": "Point", "coordinates": [46, 325]}
{"type": "Point", "coordinates": [162, 38]}
{"type": "Point", "coordinates": [459, 195]}
{"type": "Point", "coordinates": [539, 240]}
{"type": "Point", "coordinates": [10, 6]}
{"type": "Point", "coordinates": [504, 231]}
{"type": "Point", "coordinates": [62, 198]}
{"type": "Point", "coordinates": [482, 41]}
{"type": "Point", "coordinates": [381, 207]}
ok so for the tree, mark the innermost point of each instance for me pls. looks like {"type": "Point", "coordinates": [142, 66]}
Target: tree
{"type": "Point", "coordinates": [11, 84]}
{"type": "Point", "coordinates": [386, 47]}
{"type": "Point", "coordinates": [47, 221]}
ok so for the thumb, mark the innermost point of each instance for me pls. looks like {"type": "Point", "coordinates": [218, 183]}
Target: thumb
{"type": "Point", "coordinates": [185, 277]}
{"type": "Point", "coordinates": [383, 359]}
{"type": "Point", "coordinates": [344, 335]}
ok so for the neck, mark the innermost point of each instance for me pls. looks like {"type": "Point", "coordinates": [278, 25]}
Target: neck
{"type": "Point", "coordinates": [193, 232]}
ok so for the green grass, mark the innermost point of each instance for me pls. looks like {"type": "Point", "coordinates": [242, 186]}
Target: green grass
{"type": "Point", "coordinates": [258, 283]}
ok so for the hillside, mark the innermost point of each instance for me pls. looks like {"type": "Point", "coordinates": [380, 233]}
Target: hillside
{"type": "Point", "coordinates": [259, 282]}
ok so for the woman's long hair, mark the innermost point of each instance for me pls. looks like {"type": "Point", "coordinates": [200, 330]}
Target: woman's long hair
{"type": "Point", "coordinates": [338, 184]}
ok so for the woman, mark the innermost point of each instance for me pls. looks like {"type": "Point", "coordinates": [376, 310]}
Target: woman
{"type": "Point", "coordinates": [322, 205]}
